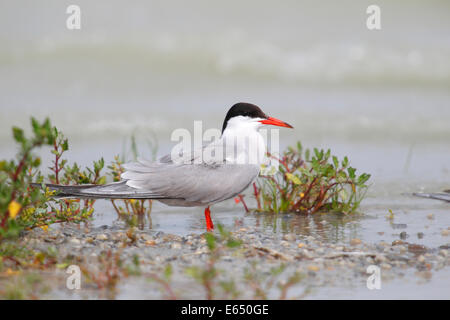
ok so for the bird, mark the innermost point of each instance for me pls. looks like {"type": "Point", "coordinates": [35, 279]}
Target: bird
{"type": "Point", "coordinates": [215, 172]}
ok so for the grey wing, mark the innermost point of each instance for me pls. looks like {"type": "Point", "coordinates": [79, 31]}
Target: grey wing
{"type": "Point", "coordinates": [197, 183]}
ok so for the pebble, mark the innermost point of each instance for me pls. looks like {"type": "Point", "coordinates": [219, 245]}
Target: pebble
{"type": "Point", "coordinates": [403, 235]}
{"type": "Point", "coordinates": [445, 232]}
{"type": "Point", "coordinates": [430, 216]}
{"type": "Point", "coordinates": [176, 245]}
{"type": "Point", "coordinates": [421, 258]}
{"type": "Point", "coordinates": [417, 248]}
{"type": "Point", "coordinates": [320, 250]}
{"type": "Point", "coordinates": [386, 266]}
{"type": "Point", "coordinates": [313, 268]}
{"type": "Point", "coordinates": [301, 245]}
{"type": "Point", "coordinates": [289, 237]}
{"type": "Point", "coordinates": [285, 243]}
{"type": "Point", "coordinates": [75, 241]}
{"type": "Point", "coordinates": [355, 242]}
{"type": "Point", "coordinates": [398, 242]}
{"type": "Point", "coordinates": [101, 236]}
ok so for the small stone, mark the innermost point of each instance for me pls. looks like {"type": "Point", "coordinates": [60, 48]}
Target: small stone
{"type": "Point", "coordinates": [386, 266]}
{"type": "Point", "coordinates": [75, 241]}
{"type": "Point", "coordinates": [176, 245]}
{"type": "Point", "coordinates": [101, 236]}
{"type": "Point", "coordinates": [150, 242]}
{"type": "Point", "coordinates": [313, 268]}
{"type": "Point", "coordinates": [443, 252]}
{"type": "Point", "coordinates": [146, 237]}
{"type": "Point", "coordinates": [398, 242]}
{"type": "Point", "coordinates": [403, 235]}
{"type": "Point", "coordinates": [320, 250]}
{"type": "Point", "coordinates": [355, 242]}
{"type": "Point", "coordinates": [430, 216]}
{"type": "Point", "coordinates": [420, 235]}
{"type": "Point", "coordinates": [417, 248]}
{"type": "Point", "coordinates": [445, 232]}
{"type": "Point", "coordinates": [424, 274]}
{"type": "Point", "coordinates": [289, 237]}
{"type": "Point", "coordinates": [421, 259]}
{"type": "Point", "coordinates": [301, 245]}
{"type": "Point", "coordinates": [285, 243]}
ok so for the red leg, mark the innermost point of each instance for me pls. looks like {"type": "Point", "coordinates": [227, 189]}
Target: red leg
{"type": "Point", "coordinates": [209, 223]}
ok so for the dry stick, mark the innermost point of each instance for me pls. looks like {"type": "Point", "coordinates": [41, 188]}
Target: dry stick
{"type": "Point", "coordinates": [256, 192]}
{"type": "Point", "coordinates": [127, 206]}
{"type": "Point", "coordinates": [115, 207]}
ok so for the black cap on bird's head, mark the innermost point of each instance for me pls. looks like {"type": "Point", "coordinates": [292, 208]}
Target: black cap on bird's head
{"type": "Point", "coordinates": [252, 111]}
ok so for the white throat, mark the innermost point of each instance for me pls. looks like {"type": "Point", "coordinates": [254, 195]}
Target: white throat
{"type": "Point", "coordinates": [243, 143]}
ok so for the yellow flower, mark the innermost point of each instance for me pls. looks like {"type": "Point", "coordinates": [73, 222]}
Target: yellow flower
{"type": "Point", "coordinates": [302, 194]}
{"type": "Point", "coordinates": [44, 227]}
{"type": "Point", "coordinates": [132, 201]}
{"type": "Point", "coordinates": [14, 208]}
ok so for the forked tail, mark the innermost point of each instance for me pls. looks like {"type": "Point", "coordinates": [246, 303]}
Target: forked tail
{"type": "Point", "coordinates": [115, 190]}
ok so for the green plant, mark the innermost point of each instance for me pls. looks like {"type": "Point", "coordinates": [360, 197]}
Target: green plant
{"type": "Point", "coordinates": [16, 195]}
{"type": "Point", "coordinates": [308, 184]}
{"type": "Point", "coordinates": [262, 283]}
{"type": "Point", "coordinates": [207, 276]}
{"type": "Point", "coordinates": [23, 206]}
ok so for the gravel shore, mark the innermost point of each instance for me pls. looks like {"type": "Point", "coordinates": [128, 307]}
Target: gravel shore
{"type": "Point", "coordinates": [319, 264]}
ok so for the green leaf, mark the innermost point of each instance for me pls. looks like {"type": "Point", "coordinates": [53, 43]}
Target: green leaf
{"type": "Point", "coordinates": [168, 271]}
{"type": "Point", "coordinates": [293, 178]}
{"type": "Point", "coordinates": [210, 241]}
{"type": "Point", "coordinates": [65, 145]}
{"type": "Point", "coordinates": [336, 162]}
{"type": "Point", "coordinates": [351, 172]}
{"type": "Point", "coordinates": [18, 135]}
{"type": "Point", "coordinates": [345, 162]}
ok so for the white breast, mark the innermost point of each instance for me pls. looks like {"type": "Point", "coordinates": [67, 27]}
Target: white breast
{"type": "Point", "coordinates": [243, 143]}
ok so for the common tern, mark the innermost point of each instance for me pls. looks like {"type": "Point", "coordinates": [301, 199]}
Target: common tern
{"type": "Point", "coordinates": [216, 172]}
